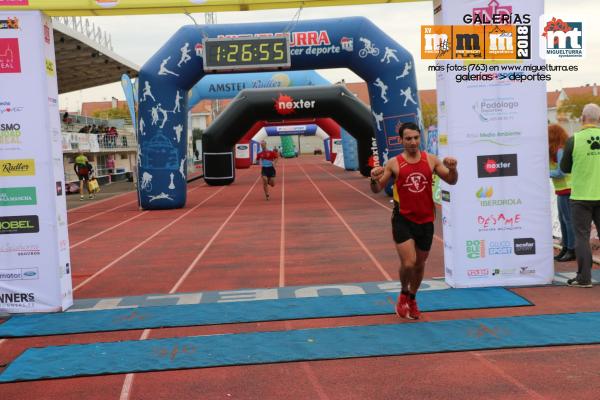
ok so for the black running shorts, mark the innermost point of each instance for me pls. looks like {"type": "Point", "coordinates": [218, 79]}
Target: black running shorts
{"type": "Point", "coordinates": [403, 230]}
{"type": "Point", "coordinates": [269, 172]}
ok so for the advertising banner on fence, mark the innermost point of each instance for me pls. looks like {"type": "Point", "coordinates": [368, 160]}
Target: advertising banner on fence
{"type": "Point", "coordinates": [496, 126]}
{"type": "Point", "coordinates": [35, 265]}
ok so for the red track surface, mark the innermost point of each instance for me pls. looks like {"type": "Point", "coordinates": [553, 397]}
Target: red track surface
{"type": "Point", "coordinates": [321, 226]}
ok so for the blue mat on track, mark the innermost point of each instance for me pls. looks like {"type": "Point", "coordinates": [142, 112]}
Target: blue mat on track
{"type": "Point", "coordinates": [251, 311]}
{"type": "Point", "coordinates": [303, 345]}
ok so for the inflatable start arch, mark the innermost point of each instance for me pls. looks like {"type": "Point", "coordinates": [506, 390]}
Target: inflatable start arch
{"type": "Point", "coordinates": [266, 104]}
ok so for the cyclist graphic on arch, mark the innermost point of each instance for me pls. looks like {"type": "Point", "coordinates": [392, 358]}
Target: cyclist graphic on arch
{"type": "Point", "coordinates": [368, 49]}
{"type": "Point", "coordinates": [146, 183]}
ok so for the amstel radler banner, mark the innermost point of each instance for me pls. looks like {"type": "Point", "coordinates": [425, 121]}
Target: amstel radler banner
{"type": "Point", "coordinates": [35, 266]}
{"type": "Point", "coordinates": [497, 219]}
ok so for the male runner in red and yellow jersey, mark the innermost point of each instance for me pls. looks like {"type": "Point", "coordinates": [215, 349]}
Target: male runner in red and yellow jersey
{"type": "Point", "coordinates": [414, 213]}
{"type": "Point", "coordinates": [268, 160]}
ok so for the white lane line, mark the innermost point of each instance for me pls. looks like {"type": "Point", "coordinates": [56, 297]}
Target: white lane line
{"type": "Point", "coordinates": [128, 383]}
{"type": "Point", "coordinates": [101, 213]}
{"type": "Point", "coordinates": [282, 235]}
{"type": "Point", "coordinates": [100, 201]}
{"type": "Point", "coordinates": [360, 243]}
{"type": "Point", "coordinates": [212, 239]}
{"type": "Point", "coordinates": [85, 282]}
{"type": "Point", "coordinates": [117, 207]}
{"type": "Point", "coordinates": [115, 226]}
{"type": "Point", "coordinates": [312, 377]}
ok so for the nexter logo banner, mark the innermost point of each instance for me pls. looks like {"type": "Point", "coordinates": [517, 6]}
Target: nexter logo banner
{"type": "Point", "coordinates": [561, 37]}
{"type": "Point", "coordinates": [491, 42]}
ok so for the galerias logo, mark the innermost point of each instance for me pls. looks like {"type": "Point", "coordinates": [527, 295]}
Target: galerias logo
{"type": "Point", "coordinates": [10, 59]}
{"type": "Point", "coordinates": [286, 105]}
{"type": "Point", "coordinates": [23, 167]}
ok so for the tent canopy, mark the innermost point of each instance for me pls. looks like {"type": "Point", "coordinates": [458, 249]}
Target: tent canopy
{"type": "Point", "coordinates": [131, 7]}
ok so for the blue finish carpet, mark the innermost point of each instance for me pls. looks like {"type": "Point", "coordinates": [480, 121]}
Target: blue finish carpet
{"type": "Point", "coordinates": [251, 311]}
{"type": "Point", "coordinates": [302, 345]}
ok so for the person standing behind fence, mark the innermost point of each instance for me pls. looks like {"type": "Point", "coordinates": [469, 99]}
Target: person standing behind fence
{"type": "Point", "coordinates": [581, 158]}
{"type": "Point", "coordinates": [83, 169]}
{"type": "Point", "coordinates": [557, 138]}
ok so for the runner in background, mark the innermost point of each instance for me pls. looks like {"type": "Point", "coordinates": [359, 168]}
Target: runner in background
{"type": "Point", "coordinates": [268, 160]}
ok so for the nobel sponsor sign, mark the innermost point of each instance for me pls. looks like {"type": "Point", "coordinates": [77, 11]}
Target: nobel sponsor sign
{"type": "Point", "coordinates": [19, 224]}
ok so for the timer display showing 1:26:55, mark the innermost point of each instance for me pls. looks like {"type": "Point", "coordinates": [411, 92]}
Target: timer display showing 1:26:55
{"type": "Point", "coordinates": [260, 51]}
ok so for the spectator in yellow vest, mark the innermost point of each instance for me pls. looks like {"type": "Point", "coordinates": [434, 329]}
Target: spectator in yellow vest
{"type": "Point", "coordinates": [557, 138]}
{"type": "Point", "coordinates": [581, 158]}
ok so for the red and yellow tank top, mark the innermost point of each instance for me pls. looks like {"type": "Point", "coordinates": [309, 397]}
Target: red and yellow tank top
{"type": "Point", "coordinates": [414, 189]}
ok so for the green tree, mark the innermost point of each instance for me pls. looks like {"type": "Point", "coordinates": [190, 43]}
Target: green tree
{"type": "Point", "coordinates": [573, 106]}
{"type": "Point", "coordinates": [429, 112]}
{"type": "Point", "coordinates": [114, 113]}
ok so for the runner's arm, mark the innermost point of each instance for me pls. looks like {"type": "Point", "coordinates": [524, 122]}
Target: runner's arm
{"type": "Point", "coordinates": [446, 169]}
{"type": "Point", "coordinates": [380, 176]}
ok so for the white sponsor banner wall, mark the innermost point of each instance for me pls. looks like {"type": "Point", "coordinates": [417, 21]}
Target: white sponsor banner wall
{"type": "Point", "coordinates": [35, 265]}
{"type": "Point", "coordinates": [497, 219]}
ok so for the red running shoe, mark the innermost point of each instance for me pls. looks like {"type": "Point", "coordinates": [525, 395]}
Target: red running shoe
{"type": "Point", "coordinates": [413, 310]}
{"type": "Point", "coordinates": [402, 306]}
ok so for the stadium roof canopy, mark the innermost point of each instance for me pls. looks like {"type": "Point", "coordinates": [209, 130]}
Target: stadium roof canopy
{"type": "Point", "coordinates": [130, 7]}
{"type": "Point", "coordinates": [82, 62]}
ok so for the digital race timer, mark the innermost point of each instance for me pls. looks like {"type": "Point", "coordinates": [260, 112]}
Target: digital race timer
{"type": "Point", "coordinates": [246, 53]}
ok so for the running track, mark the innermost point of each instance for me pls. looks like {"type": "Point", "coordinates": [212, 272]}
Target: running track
{"type": "Point", "coordinates": [322, 225]}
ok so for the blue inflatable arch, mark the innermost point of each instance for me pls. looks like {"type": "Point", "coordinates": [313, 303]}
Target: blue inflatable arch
{"type": "Point", "coordinates": [354, 43]}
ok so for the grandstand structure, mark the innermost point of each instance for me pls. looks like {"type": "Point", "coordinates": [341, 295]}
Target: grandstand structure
{"type": "Point", "coordinates": [85, 58]}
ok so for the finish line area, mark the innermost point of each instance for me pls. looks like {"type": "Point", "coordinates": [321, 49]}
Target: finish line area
{"type": "Point", "coordinates": [322, 234]}
{"type": "Point", "coordinates": [280, 280]}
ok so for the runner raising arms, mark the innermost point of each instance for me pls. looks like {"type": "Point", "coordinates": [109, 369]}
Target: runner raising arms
{"type": "Point", "coordinates": [414, 210]}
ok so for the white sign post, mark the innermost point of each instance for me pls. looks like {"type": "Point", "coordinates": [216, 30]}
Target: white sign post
{"type": "Point", "coordinates": [497, 220]}
{"type": "Point", "coordinates": [35, 265]}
